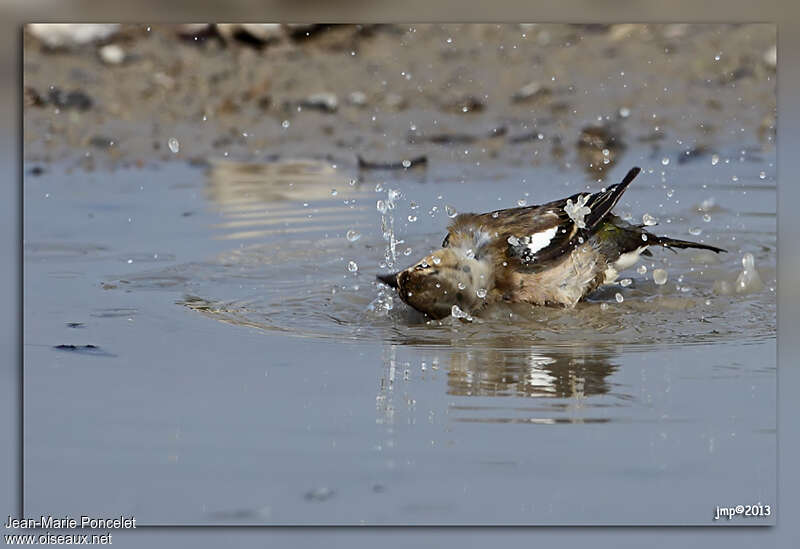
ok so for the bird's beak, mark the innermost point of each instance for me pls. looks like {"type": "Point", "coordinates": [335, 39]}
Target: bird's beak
{"type": "Point", "coordinates": [388, 279]}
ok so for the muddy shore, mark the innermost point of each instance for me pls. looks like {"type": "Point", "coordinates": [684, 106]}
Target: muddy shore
{"type": "Point", "coordinates": [516, 94]}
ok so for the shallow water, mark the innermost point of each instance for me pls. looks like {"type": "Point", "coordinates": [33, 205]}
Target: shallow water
{"type": "Point", "coordinates": [243, 374]}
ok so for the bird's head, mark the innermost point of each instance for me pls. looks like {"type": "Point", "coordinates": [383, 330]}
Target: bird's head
{"type": "Point", "coordinates": [447, 277]}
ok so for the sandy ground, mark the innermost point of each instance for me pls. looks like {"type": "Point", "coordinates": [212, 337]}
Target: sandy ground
{"type": "Point", "coordinates": [476, 93]}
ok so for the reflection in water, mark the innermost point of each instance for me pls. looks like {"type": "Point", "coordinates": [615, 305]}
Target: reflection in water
{"type": "Point", "coordinates": [534, 372]}
{"type": "Point", "coordinates": [565, 381]}
{"type": "Point", "coordinates": [293, 196]}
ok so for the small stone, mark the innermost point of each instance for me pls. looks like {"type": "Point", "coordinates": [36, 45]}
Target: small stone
{"type": "Point", "coordinates": [323, 101]}
{"type": "Point", "coordinates": [112, 54]}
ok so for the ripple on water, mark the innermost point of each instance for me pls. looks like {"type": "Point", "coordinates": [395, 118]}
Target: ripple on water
{"type": "Point", "coordinates": [303, 288]}
{"type": "Point", "coordinates": [297, 276]}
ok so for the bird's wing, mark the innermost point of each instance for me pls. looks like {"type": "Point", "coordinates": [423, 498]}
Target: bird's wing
{"type": "Point", "coordinates": [532, 244]}
{"type": "Point", "coordinates": [535, 236]}
{"type": "Point", "coordinates": [539, 235]}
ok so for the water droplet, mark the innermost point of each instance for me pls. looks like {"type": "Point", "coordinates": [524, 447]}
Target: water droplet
{"type": "Point", "coordinates": [130, 261]}
{"type": "Point", "coordinates": [481, 293]}
{"type": "Point", "coordinates": [642, 269]}
{"type": "Point", "coordinates": [436, 260]}
{"type": "Point", "coordinates": [706, 218]}
{"type": "Point", "coordinates": [380, 205]}
{"type": "Point", "coordinates": [462, 286]}
{"type": "Point", "coordinates": [625, 282]}
{"type": "Point", "coordinates": [451, 211]}
{"type": "Point", "coordinates": [714, 159]}
{"type": "Point", "coordinates": [407, 251]}
{"type": "Point", "coordinates": [618, 297]}
{"type": "Point", "coordinates": [495, 215]}
{"type": "Point", "coordinates": [624, 112]}
{"type": "Point", "coordinates": [521, 202]}
{"type": "Point", "coordinates": [695, 231]}
{"type": "Point", "coordinates": [352, 266]}
{"type": "Point", "coordinates": [406, 163]}
{"type": "Point", "coordinates": [334, 192]}
{"type": "Point", "coordinates": [665, 161]}
{"type": "Point", "coordinates": [458, 313]}
{"type": "Point", "coordinates": [670, 193]}
{"type": "Point", "coordinates": [174, 145]}
{"type": "Point", "coordinates": [285, 124]}
{"type": "Point", "coordinates": [649, 220]}
{"type": "Point", "coordinates": [352, 235]}
{"type": "Point", "coordinates": [412, 218]}
{"type": "Point", "coordinates": [660, 276]}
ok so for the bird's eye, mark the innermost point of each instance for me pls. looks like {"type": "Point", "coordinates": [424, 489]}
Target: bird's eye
{"type": "Point", "coordinates": [420, 267]}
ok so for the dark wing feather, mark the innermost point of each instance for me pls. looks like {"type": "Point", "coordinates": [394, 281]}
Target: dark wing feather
{"type": "Point", "coordinates": [601, 203]}
{"type": "Point", "coordinates": [523, 254]}
{"type": "Point", "coordinates": [553, 214]}
{"type": "Point", "coordinates": [528, 224]}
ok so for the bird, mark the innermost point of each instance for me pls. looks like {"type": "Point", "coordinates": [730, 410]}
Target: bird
{"type": "Point", "coordinates": [553, 254]}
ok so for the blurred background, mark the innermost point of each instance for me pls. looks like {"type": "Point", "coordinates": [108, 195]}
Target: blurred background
{"type": "Point", "coordinates": [570, 95]}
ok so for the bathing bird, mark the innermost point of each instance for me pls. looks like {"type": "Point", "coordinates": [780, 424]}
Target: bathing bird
{"type": "Point", "coordinates": [554, 254]}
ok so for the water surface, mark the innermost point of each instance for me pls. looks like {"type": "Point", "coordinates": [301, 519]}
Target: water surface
{"type": "Point", "coordinates": [242, 374]}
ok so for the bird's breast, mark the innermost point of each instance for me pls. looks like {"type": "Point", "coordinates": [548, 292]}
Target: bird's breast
{"type": "Point", "coordinates": [565, 283]}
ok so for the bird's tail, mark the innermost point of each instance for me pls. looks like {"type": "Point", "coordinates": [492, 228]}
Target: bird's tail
{"type": "Point", "coordinates": [683, 244]}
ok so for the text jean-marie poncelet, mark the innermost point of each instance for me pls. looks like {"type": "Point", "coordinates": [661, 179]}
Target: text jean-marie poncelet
{"type": "Point", "coordinates": [48, 521]}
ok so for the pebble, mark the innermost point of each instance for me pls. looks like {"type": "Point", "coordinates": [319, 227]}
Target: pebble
{"type": "Point", "coordinates": [112, 54]}
{"type": "Point", "coordinates": [70, 35]}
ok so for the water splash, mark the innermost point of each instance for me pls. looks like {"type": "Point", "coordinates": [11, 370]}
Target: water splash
{"type": "Point", "coordinates": [747, 281]}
